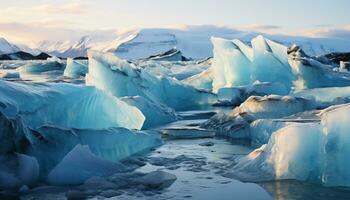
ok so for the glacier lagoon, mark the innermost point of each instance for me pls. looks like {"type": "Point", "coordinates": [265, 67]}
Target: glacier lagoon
{"type": "Point", "coordinates": [256, 121]}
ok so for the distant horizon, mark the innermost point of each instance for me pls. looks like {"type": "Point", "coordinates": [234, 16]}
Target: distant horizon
{"type": "Point", "coordinates": [30, 21]}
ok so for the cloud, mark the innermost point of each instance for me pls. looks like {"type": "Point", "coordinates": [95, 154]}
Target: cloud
{"type": "Point", "coordinates": [70, 8]}
{"type": "Point", "coordinates": [31, 33]}
{"type": "Point", "coordinates": [260, 27]}
{"type": "Point", "coordinates": [342, 32]}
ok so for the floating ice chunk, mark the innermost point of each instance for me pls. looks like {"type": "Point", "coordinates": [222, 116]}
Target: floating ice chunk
{"type": "Point", "coordinates": [179, 69]}
{"type": "Point", "coordinates": [17, 170]}
{"type": "Point", "coordinates": [344, 66]}
{"type": "Point", "coordinates": [10, 75]}
{"type": "Point", "coordinates": [292, 153]}
{"type": "Point", "coordinates": [155, 113]}
{"type": "Point", "coordinates": [79, 165]}
{"type": "Point", "coordinates": [49, 144]}
{"type": "Point", "coordinates": [236, 95]}
{"type": "Point", "coordinates": [261, 130]}
{"type": "Point", "coordinates": [310, 73]}
{"type": "Point", "coordinates": [262, 45]}
{"type": "Point", "coordinates": [274, 106]}
{"type": "Point", "coordinates": [110, 74]}
{"type": "Point", "coordinates": [336, 145]}
{"type": "Point", "coordinates": [75, 69]}
{"type": "Point", "coordinates": [315, 152]}
{"type": "Point", "coordinates": [236, 64]}
{"type": "Point", "coordinates": [54, 59]}
{"type": "Point", "coordinates": [67, 105]}
{"type": "Point", "coordinates": [232, 126]}
{"type": "Point", "coordinates": [325, 95]}
{"type": "Point", "coordinates": [203, 80]}
{"type": "Point", "coordinates": [231, 67]}
{"type": "Point", "coordinates": [37, 68]}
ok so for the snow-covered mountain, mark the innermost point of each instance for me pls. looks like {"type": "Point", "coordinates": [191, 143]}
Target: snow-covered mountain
{"type": "Point", "coordinates": [6, 47]}
{"type": "Point", "coordinates": [192, 41]}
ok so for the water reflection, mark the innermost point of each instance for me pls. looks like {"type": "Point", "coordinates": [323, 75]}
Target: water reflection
{"type": "Point", "coordinates": [291, 189]}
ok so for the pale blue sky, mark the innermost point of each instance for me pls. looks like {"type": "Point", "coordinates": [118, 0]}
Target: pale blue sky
{"type": "Point", "coordinates": [277, 16]}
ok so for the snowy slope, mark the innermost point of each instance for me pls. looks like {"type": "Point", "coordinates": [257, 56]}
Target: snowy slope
{"type": "Point", "coordinates": [192, 41]}
{"type": "Point", "coordinates": [6, 47]}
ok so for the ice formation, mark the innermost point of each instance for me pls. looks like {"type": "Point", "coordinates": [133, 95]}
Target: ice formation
{"type": "Point", "coordinates": [75, 69]}
{"type": "Point", "coordinates": [274, 106]}
{"type": "Point", "coordinates": [327, 95]}
{"type": "Point", "coordinates": [155, 113]}
{"type": "Point", "coordinates": [40, 67]}
{"type": "Point", "coordinates": [179, 70]}
{"type": "Point", "coordinates": [10, 75]}
{"type": "Point", "coordinates": [309, 73]}
{"type": "Point", "coordinates": [71, 106]}
{"type": "Point", "coordinates": [121, 78]}
{"type": "Point", "coordinates": [237, 64]}
{"type": "Point", "coordinates": [203, 80]}
{"type": "Point", "coordinates": [236, 95]}
{"type": "Point", "coordinates": [17, 170]}
{"type": "Point", "coordinates": [315, 152]}
{"type": "Point", "coordinates": [79, 165]}
{"type": "Point", "coordinates": [60, 117]}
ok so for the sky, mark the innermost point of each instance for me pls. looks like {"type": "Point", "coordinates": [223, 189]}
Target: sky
{"type": "Point", "coordinates": [27, 21]}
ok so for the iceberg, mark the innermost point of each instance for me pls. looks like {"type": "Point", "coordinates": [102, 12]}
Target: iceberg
{"type": "Point", "coordinates": [155, 113]}
{"type": "Point", "coordinates": [236, 95]}
{"type": "Point", "coordinates": [310, 73]}
{"type": "Point", "coordinates": [110, 73]}
{"type": "Point", "coordinates": [314, 152]}
{"type": "Point", "coordinates": [203, 80]}
{"type": "Point", "coordinates": [53, 124]}
{"type": "Point", "coordinates": [74, 69]}
{"type": "Point", "coordinates": [40, 67]}
{"type": "Point", "coordinates": [259, 116]}
{"type": "Point", "coordinates": [67, 105]}
{"type": "Point", "coordinates": [326, 95]}
{"type": "Point", "coordinates": [50, 144]}
{"type": "Point", "coordinates": [274, 106]}
{"type": "Point", "coordinates": [236, 64]}
{"type": "Point", "coordinates": [10, 75]}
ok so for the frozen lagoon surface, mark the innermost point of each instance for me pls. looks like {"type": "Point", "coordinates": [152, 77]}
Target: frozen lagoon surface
{"type": "Point", "coordinates": [227, 127]}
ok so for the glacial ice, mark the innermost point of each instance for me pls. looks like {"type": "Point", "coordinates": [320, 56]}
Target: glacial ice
{"type": "Point", "coordinates": [259, 116]}
{"type": "Point", "coordinates": [236, 95]}
{"type": "Point", "coordinates": [274, 106]}
{"type": "Point", "coordinates": [327, 95]}
{"type": "Point", "coordinates": [71, 106]}
{"type": "Point", "coordinates": [315, 152]}
{"type": "Point", "coordinates": [203, 80]}
{"type": "Point", "coordinates": [10, 75]}
{"type": "Point", "coordinates": [75, 69]}
{"type": "Point", "coordinates": [110, 74]}
{"type": "Point", "coordinates": [179, 70]}
{"type": "Point", "coordinates": [309, 73]}
{"type": "Point", "coordinates": [17, 170]}
{"type": "Point", "coordinates": [155, 113]}
{"type": "Point", "coordinates": [61, 116]}
{"type": "Point", "coordinates": [236, 64]}
{"type": "Point", "coordinates": [40, 67]}
{"type": "Point", "coordinates": [79, 165]}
